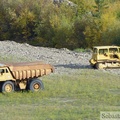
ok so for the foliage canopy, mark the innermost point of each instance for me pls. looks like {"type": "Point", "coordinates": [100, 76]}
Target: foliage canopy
{"type": "Point", "coordinates": [78, 24]}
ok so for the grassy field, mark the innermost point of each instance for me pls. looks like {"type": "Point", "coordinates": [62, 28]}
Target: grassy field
{"type": "Point", "coordinates": [78, 96]}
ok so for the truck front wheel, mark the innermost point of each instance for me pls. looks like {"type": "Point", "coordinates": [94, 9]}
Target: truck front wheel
{"type": "Point", "coordinates": [8, 87]}
{"type": "Point", "coordinates": [36, 85]}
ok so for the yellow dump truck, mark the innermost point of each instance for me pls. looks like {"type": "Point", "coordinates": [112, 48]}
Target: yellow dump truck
{"type": "Point", "coordinates": [14, 76]}
{"type": "Point", "coordinates": [105, 57]}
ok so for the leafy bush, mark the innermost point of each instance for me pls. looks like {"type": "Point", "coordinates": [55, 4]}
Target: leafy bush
{"type": "Point", "coordinates": [79, 25]}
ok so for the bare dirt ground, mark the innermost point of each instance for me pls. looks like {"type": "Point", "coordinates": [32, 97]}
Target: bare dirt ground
{"type": "Point", "coordinates": [64, 60]}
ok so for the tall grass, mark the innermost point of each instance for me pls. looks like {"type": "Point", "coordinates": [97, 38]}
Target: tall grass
{"type": "Point", "coordinates": [78, 96]}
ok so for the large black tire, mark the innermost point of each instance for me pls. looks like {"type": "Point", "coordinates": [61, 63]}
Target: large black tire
{"type": "Point", "coordinates": [36, 85]}
{"type": "Point", "coordinates": [0, 86]}
{"type": "Point", "coordinates": [8, 87]}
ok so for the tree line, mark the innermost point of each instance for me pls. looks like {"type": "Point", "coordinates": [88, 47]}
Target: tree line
{"type": "Point", "coordinates": [81, 24]}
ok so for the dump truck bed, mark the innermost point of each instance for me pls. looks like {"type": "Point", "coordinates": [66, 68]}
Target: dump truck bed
{"type": "Point", "coordinates": [29, 70]}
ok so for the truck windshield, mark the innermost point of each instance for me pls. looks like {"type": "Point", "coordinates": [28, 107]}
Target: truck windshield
{"type": "Point", "coordinates": [103, 51]}
{"type": "Point", "coordinates": [1, 70]}
{"type": "Point", "coordinates": [112, 50]}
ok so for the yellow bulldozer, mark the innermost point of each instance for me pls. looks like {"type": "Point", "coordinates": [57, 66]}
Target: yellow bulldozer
{"type": "Point", "coordinates": [105, 57]}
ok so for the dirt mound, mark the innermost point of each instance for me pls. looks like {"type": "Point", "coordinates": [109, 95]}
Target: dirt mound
{"type": "Point", "coordinates": [64, 60]}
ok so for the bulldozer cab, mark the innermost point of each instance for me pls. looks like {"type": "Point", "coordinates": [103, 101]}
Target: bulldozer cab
{"type": "Point", "coordinates": [100, 53]}
{"type": "Point", "coordinates": [106, 52]}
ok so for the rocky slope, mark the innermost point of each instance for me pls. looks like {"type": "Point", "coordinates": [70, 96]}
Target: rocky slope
{"type": "Point", "coordinates": [64, 60]}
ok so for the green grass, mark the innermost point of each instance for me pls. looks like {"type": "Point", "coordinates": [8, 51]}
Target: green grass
{"type": "Point", "coordinates": [78, 96]}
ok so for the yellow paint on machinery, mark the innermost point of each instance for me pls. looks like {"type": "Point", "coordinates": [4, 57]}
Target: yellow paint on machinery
{"type": "Point", "coordinates": [105, 57]}
{"type": "Point", "coordinates": [22, 73]}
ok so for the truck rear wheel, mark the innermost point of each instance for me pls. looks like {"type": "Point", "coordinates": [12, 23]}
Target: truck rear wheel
{"type": "Point", "coordinates": [36, 85]}
{"type": "Point", "coordinates": [8, 87]}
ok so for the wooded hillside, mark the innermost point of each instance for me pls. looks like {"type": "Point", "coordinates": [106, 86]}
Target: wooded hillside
{"type": "Point", "coordinates": [45, 23]}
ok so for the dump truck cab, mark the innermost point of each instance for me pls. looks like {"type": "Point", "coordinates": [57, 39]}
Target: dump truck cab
{"type": "Point", "coordinates": [5, 73]}
{"type": "Point", "coordinates": [105, 57]}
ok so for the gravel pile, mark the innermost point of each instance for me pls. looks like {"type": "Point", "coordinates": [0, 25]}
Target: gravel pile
{"type": "Point", "coordinates": [64, 60]}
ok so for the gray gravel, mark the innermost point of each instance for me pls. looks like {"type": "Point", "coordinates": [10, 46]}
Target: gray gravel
{"type": "Point", "coordinates": [64, 60]}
